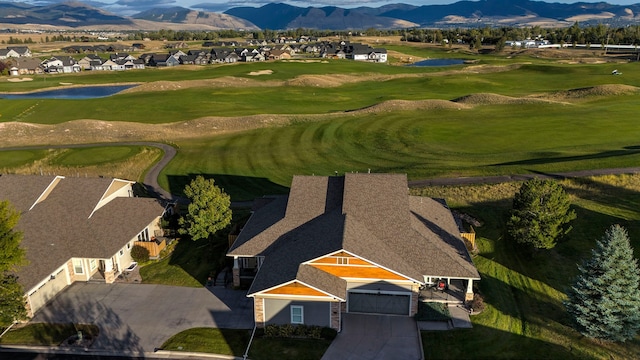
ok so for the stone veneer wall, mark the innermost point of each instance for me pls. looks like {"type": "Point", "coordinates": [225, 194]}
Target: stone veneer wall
{"type": "Point", "coordinates": [72, 274]}
{"type": "Point", "coordinates": [258, 311]}
{"type": "Point", "coordinates": [415, 295]}
{"type": "Point", "coordinates": [335, 315]}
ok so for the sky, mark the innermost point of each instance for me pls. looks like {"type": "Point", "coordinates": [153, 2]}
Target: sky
{"type": "Point", "coordinates": [129, 7]}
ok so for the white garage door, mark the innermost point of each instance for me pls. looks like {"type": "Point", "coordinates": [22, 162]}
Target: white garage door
{"type": "Point", "coordinates": [396, 304]}
{"type": "Point", "coordinates": [40, 297]}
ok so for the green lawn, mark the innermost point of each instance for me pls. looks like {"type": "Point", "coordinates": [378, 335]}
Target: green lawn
{"type": "Point", "coordinates": [524, 317]}
{"type": "Point", "coordinates": [45, 334]}
{"type": "Point", "coordinates": [234, 342]}
{"type": "Point", "coordinates": [487, 140]}
{"type": "Point", "coordinates": [190, 103]}
{"type": "Point", "coordinates": [210, 340]}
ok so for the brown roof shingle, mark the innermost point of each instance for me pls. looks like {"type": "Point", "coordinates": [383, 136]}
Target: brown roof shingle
{"type": "Point", "coordinates": [60, 228]}
{"type": "Point", "coordinates": [369, 215]}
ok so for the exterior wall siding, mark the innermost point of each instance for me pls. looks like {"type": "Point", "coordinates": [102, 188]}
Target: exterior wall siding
{"type": "Point", "coordinates": [277, 311]}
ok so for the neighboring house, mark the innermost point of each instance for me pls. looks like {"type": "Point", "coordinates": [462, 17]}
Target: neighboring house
{"type": "Point", "coordinates": [279, 54]}
{"type": "Point", "coordinates": [90, 62]}
{"type": "Point", "coordinates": [76, 229]}
{"type": "Point", "coordinates": [22, 51]}
{"type": "Point", "coordinates": [356, 243]}
{"type": "Point", "coordinates": [8, 53]}
{"type": "Point", "coordinates": [378, 55]}
{"type": "Point", "coordinates": [29, 66]}
{"type": "Point", "coordinates": [61, 64]}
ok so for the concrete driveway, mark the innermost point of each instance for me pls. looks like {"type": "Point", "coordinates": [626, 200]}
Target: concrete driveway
{"type": "Point", "coordinates": [137, 318]}
{"type": "Point", "coordinates": [368, 337]}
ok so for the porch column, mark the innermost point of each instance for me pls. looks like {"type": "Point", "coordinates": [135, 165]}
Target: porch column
{"type": "Point", "coordinates": [236, 272]}
{"type": "Point", "coordinates": [469, 294]}
{"type": "Point", "coordinates": [109, 273]}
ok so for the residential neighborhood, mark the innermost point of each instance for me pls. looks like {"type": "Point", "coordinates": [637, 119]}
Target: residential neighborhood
{"type": "Point", "coordinates": [120, 59]}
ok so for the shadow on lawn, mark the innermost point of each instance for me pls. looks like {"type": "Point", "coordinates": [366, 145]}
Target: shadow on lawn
{"type": "Point", "coordinates": [598, 206]}
{"type": "Point", "coordinates": [484, 342]}
{"type": "Point", "coordinates": [625, 151]}
{"type": "Point", "coordinates": [240, 188]}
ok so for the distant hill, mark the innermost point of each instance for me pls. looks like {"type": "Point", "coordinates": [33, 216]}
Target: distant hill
{"type": "Point", "coordinates": [82, 16]}
{"type": "Point", "coordinates": [462, 13]}
{"type": "Point", "coordinates": [180, 15]}
{"type": "Point", "coordinates": [514, 12]}
{"type": "Point", "coordinates": [63, 14]}
{"type": "Point", "coordinates": [277, 16]}
{"type": "Point", "coordinates": [283, 16]}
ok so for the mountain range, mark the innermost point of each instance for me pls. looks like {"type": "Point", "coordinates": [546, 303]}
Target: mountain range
{"type": "Point", "coordinates": [277, 16]}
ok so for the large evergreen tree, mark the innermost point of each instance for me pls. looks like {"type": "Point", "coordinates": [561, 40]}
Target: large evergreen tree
{"type": "Point", "coordinates": [209, 209]}
{"type": "Point", "coordinates": [540, 214]}
{"type": "Point", "coordinates": [11, 256]}
{"type": "Point", "coordinates": [604, 301]}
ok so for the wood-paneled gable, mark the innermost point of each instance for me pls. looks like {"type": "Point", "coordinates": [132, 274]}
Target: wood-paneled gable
{"type": "Point", "coordinates": [295, 288]}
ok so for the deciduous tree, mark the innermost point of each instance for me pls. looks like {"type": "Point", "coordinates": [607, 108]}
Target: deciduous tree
{"type": "Point", "coordinates": [604, 301]}
{"type": "Point", "coordinates": [540, 215]}
{"type": "Point", "coordinates": [11, 257]}
{"type": "Point", "coordinates": [209, 209]}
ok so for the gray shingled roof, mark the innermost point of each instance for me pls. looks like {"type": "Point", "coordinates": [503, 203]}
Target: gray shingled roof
{"type": "Point", "coordinates": [59, 227]}
{"type": "Point", "coordinates": [369, 215]}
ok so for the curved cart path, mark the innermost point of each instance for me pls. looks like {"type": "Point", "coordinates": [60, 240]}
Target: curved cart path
{"type": "Point", "coordinates": [150, 179]}
{"type": "Point", "coordinates": [169, 152]}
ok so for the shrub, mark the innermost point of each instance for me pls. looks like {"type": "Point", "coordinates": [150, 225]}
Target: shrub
{"type": "Point", "coordinates": [139, 253]}
{"type": "Point", "coordinates": [328, 333]}
{"type": "Point", "coordinates": [299, 331]}
{"type": "Point", "coordinates": [477, 304]}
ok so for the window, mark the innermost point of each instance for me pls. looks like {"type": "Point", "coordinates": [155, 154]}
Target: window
{"type": "Point", "coordinates": [121, 252]}
{"type": "Point", "coordinates": [297, 314]}
{"type": "Point", "coordinates": [343, 260]}
{"type": "Point", "coordinates": [128, 246]}
{"type": "Point", "coordinates": [92, 264]}
{"type": "Point", "coordinates": [78, 268]}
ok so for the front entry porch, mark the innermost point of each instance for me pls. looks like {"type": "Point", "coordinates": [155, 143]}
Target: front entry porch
{"type": "Point", "coordinates": [453, 293]}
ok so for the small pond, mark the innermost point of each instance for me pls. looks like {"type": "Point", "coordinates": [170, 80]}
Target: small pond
{"type": "Point", "coordinates": [84, 92]}
{"type": "Point", "coordinates": [438, 62]}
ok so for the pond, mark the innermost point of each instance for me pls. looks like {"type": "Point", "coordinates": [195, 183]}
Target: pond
{"type": "Point", "coordinates": [84, 92]}
{"type": "Point", "coordinates": [438, 62]}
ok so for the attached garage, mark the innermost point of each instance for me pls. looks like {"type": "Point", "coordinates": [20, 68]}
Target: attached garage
{"type": "Point", "coordinates": [48, 290]}
{"type": "Point", "coordinates": [379, 303]}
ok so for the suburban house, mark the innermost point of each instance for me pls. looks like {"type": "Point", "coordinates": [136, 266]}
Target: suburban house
{"type": "Point", "coordinates": [356, 243]}
{"type": "Point", "coordinates": [76, 229]}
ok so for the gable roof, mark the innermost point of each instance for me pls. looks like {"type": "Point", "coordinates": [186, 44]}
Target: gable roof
{"type": "Point", "coordinates": [68, 222]}
{"type": "Point", "coordinates": [369, 215]}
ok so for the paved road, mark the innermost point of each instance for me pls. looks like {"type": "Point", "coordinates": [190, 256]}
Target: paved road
{"type": "Point", "coordinates": [138, 318]}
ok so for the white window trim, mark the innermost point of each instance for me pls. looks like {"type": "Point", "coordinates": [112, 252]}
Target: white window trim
{"type": "Point", "coordinates": [75, 266]}
{"type": "Point", "coordinates": [297, 307]}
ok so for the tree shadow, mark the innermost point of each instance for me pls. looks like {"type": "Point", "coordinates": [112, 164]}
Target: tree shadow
{"type": "Point", "coordinates": [625, 151]}
{"type": "Point", "coordinates": [558, 266]}
{"type": "Point", "coordinates": [115, 334]}
{"type": "Point", "coordinates": [240, 188]}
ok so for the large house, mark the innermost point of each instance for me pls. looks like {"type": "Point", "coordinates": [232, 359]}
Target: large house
{"type": "Point", "coordinates": [356, 243]}
{"type": "Point", "coordinates": [76, 229]}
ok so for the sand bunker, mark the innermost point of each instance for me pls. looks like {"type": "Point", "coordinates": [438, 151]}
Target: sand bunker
{"type": "Point", "coordinates": [261, 72]}
{"type": "Point", "coordinates": [19, 79]}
